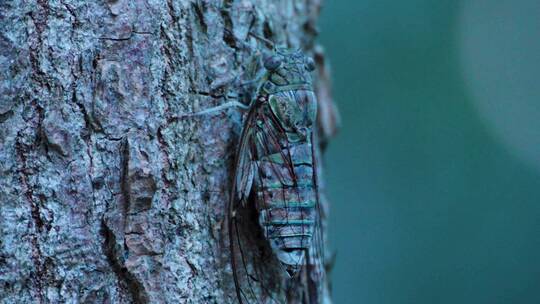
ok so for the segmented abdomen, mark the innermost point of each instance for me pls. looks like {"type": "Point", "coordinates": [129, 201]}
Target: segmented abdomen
{"type": "Point", "coordinates": [286, 202]}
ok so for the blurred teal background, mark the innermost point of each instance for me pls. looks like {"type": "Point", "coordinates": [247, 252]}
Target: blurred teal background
{"type": "Point", "coordinates": [434, 178]}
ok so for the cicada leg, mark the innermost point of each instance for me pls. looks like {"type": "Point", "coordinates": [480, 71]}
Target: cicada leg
{"type": "Point", "coordinates": [214, 110]}
{"type": "Point", "coordinates": [224, 106]}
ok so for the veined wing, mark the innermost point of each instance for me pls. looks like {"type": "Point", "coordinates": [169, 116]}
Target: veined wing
{"type": "Point", "coordinates": [244, 245]}
{"type": "Point", "coordinates": [244, 169]}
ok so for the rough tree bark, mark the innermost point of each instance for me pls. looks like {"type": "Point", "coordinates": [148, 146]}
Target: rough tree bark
{"type": "Point", "coordinates": [108, 194]}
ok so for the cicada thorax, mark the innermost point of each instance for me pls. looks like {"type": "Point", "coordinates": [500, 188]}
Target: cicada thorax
{"type": "Point", "coordinates": [286, 193]}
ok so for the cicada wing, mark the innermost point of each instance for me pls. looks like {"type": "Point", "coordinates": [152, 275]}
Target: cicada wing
{"type": "Point", "coordinates": [245, 180]}
{"type": "Point", "coordinates": [244, 167]}
{"type": "Point", "coordinates": [254, 268]}
{"type": "Point", "coordinates": [249, 258]}
{"type": "Point", "coordinates": [237, 198]}
{"type": "Point", "coordinates": [315, 268]}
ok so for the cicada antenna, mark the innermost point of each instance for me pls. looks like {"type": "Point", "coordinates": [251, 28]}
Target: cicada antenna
{"type": "Point", "coordinates": [267, 41]}
{"type": "Point", "coordinates": [247, 46]}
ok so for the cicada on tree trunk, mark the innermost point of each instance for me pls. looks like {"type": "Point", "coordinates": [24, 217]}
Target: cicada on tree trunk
{"type": "Point", "coordinates": [275, 195]}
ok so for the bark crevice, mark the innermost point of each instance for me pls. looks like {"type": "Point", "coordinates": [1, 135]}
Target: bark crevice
{"type": "Point", "coordinates": [125, 279]}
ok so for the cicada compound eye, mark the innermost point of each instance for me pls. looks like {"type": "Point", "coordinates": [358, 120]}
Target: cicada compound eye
{"type": "Point", "coordinates": [272, 63]}
{"type": "Point", "coordinates": [310, 64]}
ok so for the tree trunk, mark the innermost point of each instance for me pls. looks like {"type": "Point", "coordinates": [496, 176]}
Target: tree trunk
{"type": "Point", "coordinates": [108, 193]}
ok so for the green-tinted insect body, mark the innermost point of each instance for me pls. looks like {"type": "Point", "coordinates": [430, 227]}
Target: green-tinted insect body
{"type": "Point", "coordinates": [275, 160]}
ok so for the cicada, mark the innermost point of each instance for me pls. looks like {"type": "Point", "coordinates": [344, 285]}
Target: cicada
{"type": "Point", "coordinates": [275, 182]}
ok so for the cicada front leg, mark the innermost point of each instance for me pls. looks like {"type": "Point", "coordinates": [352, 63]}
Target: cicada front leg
{"type": "Point", "coordinates": [217, 109]}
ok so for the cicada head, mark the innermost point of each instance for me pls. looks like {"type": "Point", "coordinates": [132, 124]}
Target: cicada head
{"type": "Point", "coordinates": [287, 70]}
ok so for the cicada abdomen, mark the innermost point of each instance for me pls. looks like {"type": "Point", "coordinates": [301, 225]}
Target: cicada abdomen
{"type": "Point", "coordinates": [276, 167]}
{"type": "Point", "coordinates": [286, 195]}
